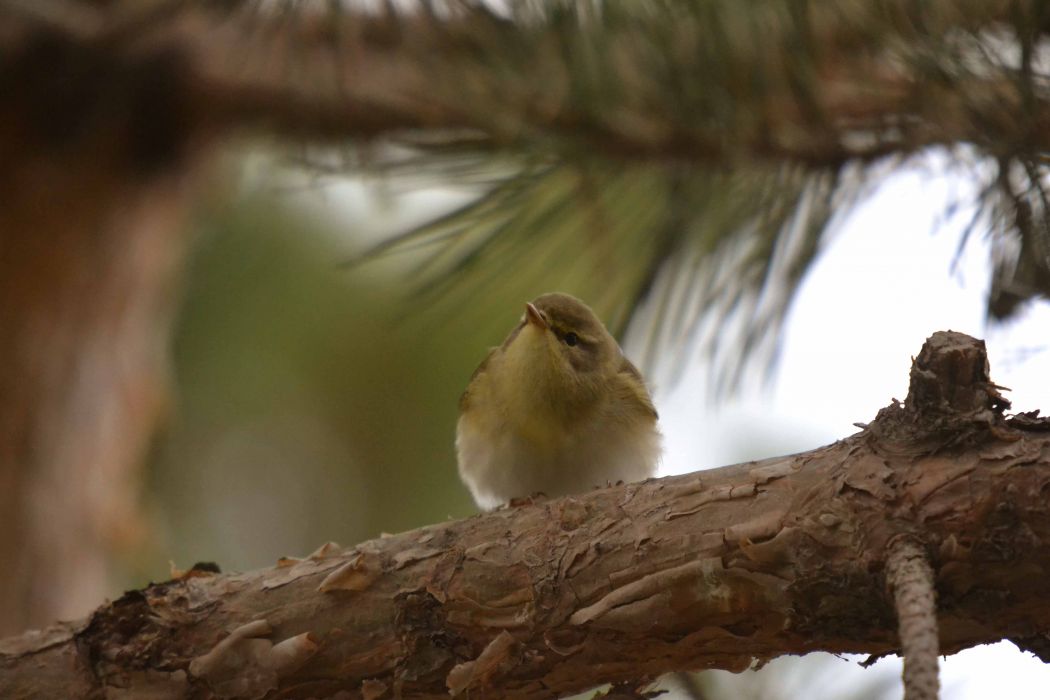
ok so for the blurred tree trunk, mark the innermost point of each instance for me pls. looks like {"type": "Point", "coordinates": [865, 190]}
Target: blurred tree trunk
{"type": "Point", "coordinates": [90, 244]}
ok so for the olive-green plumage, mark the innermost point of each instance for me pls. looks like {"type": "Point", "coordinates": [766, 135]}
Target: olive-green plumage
{"type": "Point", "coordinates": [556, 409]}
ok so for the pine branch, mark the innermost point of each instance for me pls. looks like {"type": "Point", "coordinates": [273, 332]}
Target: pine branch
{"type": "Point", "coordinates": [705, 92]}
{"type": "Point", "coordinates": [825, 84]}
{"type": "Point", "coordinates": [708, 570]}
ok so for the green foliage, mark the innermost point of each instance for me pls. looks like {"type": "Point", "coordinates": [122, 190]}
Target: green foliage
{"type": "Point", "coordinates": [304, 410]}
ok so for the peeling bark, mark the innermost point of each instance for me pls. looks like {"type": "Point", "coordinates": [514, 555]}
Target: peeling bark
{"type": "Point", "coordinates": [709, 570]}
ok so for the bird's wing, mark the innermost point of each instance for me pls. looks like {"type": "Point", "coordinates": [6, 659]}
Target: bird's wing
{"type": "Point", "coordinates": [638, 387]}
{"type": "Point", "coordinates": [464, 398]}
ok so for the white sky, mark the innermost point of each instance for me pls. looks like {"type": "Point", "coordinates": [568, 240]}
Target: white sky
{"type": "Point", "coordinates": [878, 291]}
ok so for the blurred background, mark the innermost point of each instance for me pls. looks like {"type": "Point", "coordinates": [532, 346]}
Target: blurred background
{"type": "Point", "coordinates": [238, 308]}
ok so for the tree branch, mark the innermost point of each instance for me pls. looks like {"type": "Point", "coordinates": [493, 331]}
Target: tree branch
{"type": "Point", "coordinates": [827, 86]}
{"type": "Point", "coordinates": [709, 570]}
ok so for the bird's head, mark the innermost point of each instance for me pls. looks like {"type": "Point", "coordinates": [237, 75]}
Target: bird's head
{"type": "Point", "coordinates": [560, 347]}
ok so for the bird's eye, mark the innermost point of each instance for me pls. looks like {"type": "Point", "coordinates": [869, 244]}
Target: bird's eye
{"type": "Point", "coordinates": [571, 339]}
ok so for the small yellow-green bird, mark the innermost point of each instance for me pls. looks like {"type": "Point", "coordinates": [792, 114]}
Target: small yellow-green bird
{"type": "Point", "coordinates": [556, 409]}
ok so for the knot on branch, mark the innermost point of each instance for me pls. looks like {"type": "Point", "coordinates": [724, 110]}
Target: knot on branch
{"type": "Point", "coordinates": [950, 377]}
{"type": "Point", "coordinates": [951, 398]}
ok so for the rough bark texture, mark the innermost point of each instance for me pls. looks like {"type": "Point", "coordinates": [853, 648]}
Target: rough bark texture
{"type": "Point", "coordinates": [709, 570]}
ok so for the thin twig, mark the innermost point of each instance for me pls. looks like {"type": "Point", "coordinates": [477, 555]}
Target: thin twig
{"type": "Point", "coordinates": [910, 577]}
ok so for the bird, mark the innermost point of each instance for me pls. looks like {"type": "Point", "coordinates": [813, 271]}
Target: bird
{"type": "Point", "coordinates": [556, 409]}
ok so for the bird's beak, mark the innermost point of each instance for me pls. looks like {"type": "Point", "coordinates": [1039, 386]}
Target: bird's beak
{"type": "Point", "coordinates": [533, 316]}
